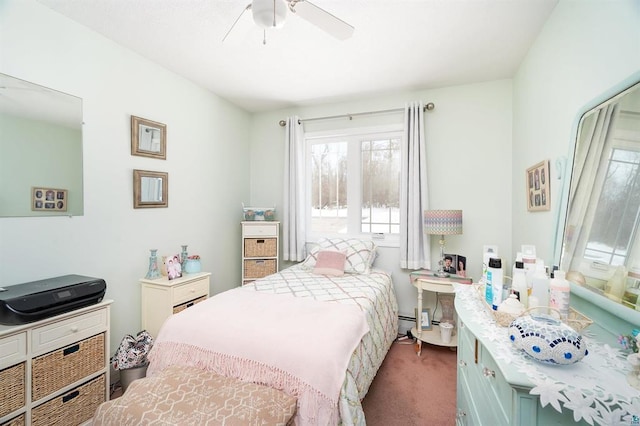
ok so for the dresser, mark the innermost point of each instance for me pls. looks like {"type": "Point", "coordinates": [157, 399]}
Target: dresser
{"type": "Point", "coordinates": [56, 369]}
{"type": "Point", "coordinates": [163, 297]}
{"type": "Point", "coordinates": [260, 248]}
{"type": "Point", "coordinates": [494, 380]}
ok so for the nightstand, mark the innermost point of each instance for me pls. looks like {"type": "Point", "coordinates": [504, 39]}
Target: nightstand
{"type": "Point", "coordinates": [162, 298]}
{"type": "Point", "coordinates": [439, 286]}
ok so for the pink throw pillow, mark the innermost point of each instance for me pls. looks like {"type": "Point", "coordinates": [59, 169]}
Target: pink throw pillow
{"type": "Point", "coordinates": [330, 262]}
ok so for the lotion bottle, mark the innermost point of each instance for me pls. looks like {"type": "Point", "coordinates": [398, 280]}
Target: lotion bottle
{"type": "Point", "coordinates": [559, 293]}
{"type": "Point", "coordinates": [540, 286]}
{"type": "Point", "coordinates": [495, 278]}
{"type": "Point", "coordinates": [519, 284]}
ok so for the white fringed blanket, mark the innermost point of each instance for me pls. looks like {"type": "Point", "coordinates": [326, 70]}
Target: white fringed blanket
{"type": "Point", "coordinates": [298, 345]}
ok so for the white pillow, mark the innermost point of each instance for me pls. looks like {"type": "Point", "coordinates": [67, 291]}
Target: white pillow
{"type": "Point", "coordinates": [360, 254]}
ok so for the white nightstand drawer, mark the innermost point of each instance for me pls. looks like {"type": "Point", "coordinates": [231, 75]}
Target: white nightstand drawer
{"type": "Point", "coordinates": [65, 332]}
{"type": "Point", "coordinates": [191, 291]}
{"type": "Point", "coordinates": [12, 349]}
{"type": "Point", "coordinates": [261, 230]}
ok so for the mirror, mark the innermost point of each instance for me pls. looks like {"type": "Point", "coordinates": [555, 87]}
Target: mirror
{"type": "Point", "coordinates": [40, 147]}
{"type": "Point", "coordinates": [601, 246]}
{"type": "Point", "coordinates": [148, 138]}
{"type": "Point", "coordinates": [150, 189]}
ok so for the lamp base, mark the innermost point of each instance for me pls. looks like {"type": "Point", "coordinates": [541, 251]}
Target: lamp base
{"type": "Point", "coordinates": [441, 274]}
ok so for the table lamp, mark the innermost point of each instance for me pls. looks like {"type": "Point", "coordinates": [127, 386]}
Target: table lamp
{"type": "Point", "coordinates": [442, 222]}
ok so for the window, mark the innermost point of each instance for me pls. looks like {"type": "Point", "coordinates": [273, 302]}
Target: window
{"type": "Point", "coordinates": [354, 183]}
{"type": "Point", "coordinates": [616, 217]}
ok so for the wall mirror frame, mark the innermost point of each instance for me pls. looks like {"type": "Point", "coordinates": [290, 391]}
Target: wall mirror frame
{"type": "Point", "coordinates": [148, 138]}
{"type": "Point", "coordinates": [599, 245]}
{"type": "Point", "coordinates": [150, 189]}
{"type": "Point", "coordinates": [41, 145]}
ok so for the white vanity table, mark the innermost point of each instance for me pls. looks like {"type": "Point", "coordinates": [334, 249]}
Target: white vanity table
{"type": "Point", "coordinates": [499, 385]}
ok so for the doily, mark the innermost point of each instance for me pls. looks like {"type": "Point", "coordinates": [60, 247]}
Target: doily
{"type": "Point", "coordinates": [599, 392]}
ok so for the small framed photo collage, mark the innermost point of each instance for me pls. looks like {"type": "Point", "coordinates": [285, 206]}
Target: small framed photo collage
{"type": "Point", "coordinates": [49, 199]}
{"type": "Point", "coordinates": [538, 187]}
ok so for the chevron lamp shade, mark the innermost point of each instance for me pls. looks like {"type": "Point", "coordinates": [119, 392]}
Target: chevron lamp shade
{"type": "Point", "coordinates": [443, 222]}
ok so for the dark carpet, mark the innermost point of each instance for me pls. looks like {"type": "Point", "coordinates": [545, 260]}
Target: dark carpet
{"type": "Point", "coordinates": [410, 390]}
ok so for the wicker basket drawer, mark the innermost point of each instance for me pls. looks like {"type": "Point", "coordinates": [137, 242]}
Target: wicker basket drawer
{"type": "Point", "coordinates": [12, 389]}
{"type": "Point", "coordinates": [259, 268]}
{"type": "Point", "coordinates": [260, 247]}
{"type": "Point", "coordinates": [72, 408]}
{"type": "Point", "coordinates": [16, 421]}
{"type": "Point", "coordinates": [60, 368]}
{"type": "Point", "coordinates": [188, 304]}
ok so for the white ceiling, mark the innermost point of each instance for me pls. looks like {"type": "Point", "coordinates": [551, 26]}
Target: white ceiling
{"type": "Point", "coordinates": [397, 45]}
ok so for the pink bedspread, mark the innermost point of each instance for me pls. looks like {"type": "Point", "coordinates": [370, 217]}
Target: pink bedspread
{"type": "Point", "coordinates": [297, 345]}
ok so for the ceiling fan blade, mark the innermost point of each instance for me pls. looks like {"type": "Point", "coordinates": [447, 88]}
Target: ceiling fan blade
{"type": "Point", "coordinates": [236, 21]}
{"type": "Point", "coordinates": [323, 19]}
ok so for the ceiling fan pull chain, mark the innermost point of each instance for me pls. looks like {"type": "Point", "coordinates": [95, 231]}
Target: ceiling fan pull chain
{"type": "Point", "coordinates": [264, 36]}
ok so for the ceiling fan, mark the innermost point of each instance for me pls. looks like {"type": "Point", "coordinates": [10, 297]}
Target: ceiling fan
{"type": "Point", "coordinates": [273, 13]}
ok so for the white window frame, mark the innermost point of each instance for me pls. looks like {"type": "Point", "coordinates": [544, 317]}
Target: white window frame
{"type": "Point", "coordinates": [354, 187]}
{"type": "Point", "coordinates": [621, 140]}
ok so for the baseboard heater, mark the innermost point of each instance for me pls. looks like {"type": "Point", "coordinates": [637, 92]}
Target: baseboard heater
{"type": "Point", "coordinates": [36, 300]}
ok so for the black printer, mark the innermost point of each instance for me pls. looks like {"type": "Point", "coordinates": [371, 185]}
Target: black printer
{"type": "Point", "coordinates": [36, 300]}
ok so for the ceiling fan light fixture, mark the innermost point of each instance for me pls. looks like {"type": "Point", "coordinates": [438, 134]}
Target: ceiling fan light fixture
{"type": "Point", "coordinates": [269, 13]}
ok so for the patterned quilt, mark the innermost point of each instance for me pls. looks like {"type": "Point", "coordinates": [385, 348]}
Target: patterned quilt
{"type": "Point", "coordinates": [374, 294]}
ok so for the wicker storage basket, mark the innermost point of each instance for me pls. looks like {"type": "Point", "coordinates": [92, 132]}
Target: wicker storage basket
{"type": "Point", "coordinates": [259, 268]}
{"type": "Point", "coordinates": [12, 391]}
{"type": "Point", "coordinates": [16, 421]}
{"type": "Point", "coordinates": [185, 305]}
{"type": "Point", "coordinates": [260, 247]}
{"type": "Point", "coordinates": [60, 368]}
{"type": "Point", "coordinates": [73, 407]}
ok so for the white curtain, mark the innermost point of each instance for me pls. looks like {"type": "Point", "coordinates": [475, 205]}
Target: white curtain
{"type": "Point", "coordinates": [414, 244]}
{"type": "Point", "coordinates": [590, 148]}
{"type": "Point", "coordinates": [293, 236]}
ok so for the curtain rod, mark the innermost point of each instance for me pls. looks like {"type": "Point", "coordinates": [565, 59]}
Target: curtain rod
{"type": "Point", "coordinates": [428, 107]}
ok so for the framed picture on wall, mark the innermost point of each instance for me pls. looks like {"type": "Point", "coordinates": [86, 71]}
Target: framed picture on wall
{"type": "Point", "coordinates": [148, 138]}
{"type": "Point", "coordinates": [48, 199]}
{"type": "Point", "coordinates": [537, 187]}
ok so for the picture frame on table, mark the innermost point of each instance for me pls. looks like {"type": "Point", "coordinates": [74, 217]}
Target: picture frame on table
{"type": "Point", "coordinates": [538, 187]}
{"type": "Point", "coordinates": [426, 319]}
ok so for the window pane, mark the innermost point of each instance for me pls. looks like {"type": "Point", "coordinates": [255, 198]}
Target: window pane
{"type": "Point", "coordinates": [380, 186]}
{"type": "Point", "coordinates": [329, 187]}
{"type": "Point", "coordinates": [616, 217]}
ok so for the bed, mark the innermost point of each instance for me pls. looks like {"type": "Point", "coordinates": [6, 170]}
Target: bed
{"type": "Point", "coordinates": [318, 331]}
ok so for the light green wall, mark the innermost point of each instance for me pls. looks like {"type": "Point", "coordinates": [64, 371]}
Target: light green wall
{"type": "Point", "coordinates": [207, 151]}
{"type": "Point", "coordinates": [468, 154]}
{"type": "Point", "coordinates": [585, 47]}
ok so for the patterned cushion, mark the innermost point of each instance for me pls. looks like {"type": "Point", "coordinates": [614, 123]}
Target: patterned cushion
{"type": "Point", "coordinates": [360, 253]}
{"type": "Point", "coordinates": [330, 262]}
{"type": "Point", "coordinates": [190, 396]}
